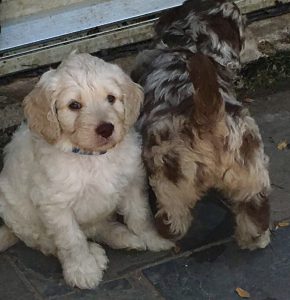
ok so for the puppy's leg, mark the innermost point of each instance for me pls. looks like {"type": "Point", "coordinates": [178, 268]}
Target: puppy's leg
{"type": "Point", "coordinates": [176, 199]}
{"type": "Point", "coordinates": [138, 218]}
{"type": "Point", "coordinates": [7, 238]}
{"type": "Point", "coordinates": [247, 187]}
{"type": "Point", "coordinates": [178, 182]}
{"type": "Point", "coordinates": [83, 263]}
{"type": "Point", "coordinates": [252, 219]}
{"type": "Point", "coordinates": [115, 235]}
{"type": "Point", "coordinates": [174, 209]}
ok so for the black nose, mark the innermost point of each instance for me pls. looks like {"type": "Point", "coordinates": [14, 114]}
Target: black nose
{"type": "Point", "coordinates": [105, 129]}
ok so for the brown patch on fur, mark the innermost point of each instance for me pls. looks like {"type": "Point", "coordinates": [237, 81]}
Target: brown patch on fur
{"type": "Point", "coordinates": [259, 213]}
{"type": "Point", "coordinates": [208, 103]}
{"type": "Point", "coordinates": [163, 228]}
{"type": "Point", "coordinates": [171, 167]}
{"type": "Point", "coordinates": [250, 144]}
{"type": "Point", "coordinates": [226, 29]}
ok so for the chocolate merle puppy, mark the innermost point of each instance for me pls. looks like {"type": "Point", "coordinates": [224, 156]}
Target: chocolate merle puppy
{"type": "Point", "coordinates": [196, 134]}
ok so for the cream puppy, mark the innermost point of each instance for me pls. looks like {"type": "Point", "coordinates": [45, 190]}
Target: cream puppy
{"type": "Point", "coordinates": [75, 164]}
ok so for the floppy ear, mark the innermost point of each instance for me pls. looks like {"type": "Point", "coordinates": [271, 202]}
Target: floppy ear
{"type": "Point", "coordinates": [40, 111]}
{"type": "Point", "coordinates": [133, 99]}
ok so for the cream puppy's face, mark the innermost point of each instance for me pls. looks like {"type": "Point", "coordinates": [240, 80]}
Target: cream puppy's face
{"type": "Point", "coordinates": [85, 103]}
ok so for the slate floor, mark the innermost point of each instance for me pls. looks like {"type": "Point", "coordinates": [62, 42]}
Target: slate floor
{"type": "Point", "coordinates": [209, 264]}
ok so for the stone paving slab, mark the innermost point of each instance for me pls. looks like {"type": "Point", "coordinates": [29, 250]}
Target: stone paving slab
{"type": "Point", "coordinates": [272, 113]}
{"type": "Point", "coordinates": [215, 273]}
{"type": "Point", "coordinates": [12, 286]}
{"type": "Point", "coordinates": [122, 289]}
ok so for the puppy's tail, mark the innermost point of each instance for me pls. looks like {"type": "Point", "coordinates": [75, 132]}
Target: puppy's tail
{"type": "Point", "coordinates": [7, 238]}
{"type": "Point", "coordinates": [209, 107]}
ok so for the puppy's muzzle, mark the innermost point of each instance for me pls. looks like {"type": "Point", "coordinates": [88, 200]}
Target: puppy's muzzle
{"type": "Point", "coordinates": [105, 130]}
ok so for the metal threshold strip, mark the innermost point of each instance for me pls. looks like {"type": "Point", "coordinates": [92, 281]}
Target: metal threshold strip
{"type": "Point", "coordinates": [54, 24]}
{"type": "Point", "coordinates": [36, 41]}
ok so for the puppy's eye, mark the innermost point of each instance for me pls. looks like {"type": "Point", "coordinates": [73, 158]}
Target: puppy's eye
{"type": "Point", "coordinates": [111, 99]}
{"type": "Point", "coordinates": [74, 105]}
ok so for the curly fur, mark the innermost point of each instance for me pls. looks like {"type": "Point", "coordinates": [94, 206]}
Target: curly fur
{"type": "Point", "coordinates": [197, 135]}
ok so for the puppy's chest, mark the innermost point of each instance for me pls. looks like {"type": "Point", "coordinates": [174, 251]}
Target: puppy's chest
{"type": "Point", "coordinates": [101, 192]}
{"type": "Point", "coordinates": [94, 204]}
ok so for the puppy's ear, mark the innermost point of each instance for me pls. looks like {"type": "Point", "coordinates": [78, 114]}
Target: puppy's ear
{"type": "Point", "coordinates": [40, 111]}
{"type": "Point", "coordinates": [133, 98]}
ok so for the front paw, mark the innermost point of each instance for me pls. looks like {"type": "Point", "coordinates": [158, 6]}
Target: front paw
{"type": "Point", "coordinates": [133, 242]}
{"type": "Point", "coordinates": [86, 271]}
{"type": "Point", "coordinates": [155, 243]}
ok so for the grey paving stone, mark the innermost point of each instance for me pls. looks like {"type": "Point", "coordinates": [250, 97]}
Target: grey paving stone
{"type": "Point", "coordinates": [46, 275]}
{"type": "Point", "coordinates": [11, 286]}
{"type": "Point", "coordinates": [275, 128]}
{"type": "Point", "coordinates": [122, 262]}
{"type": "Point", "coordinates": [43, 272]}
{"type": "Point", "coordinates": [216, 273]}
{"type": "Point", "coordinates": [121, 289]}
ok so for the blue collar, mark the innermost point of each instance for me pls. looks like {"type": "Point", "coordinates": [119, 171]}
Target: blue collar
{"type": "Point", "coordinates": [81, 152]}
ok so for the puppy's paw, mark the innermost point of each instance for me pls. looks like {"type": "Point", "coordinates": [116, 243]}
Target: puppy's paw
{"type": "Point", "coordinates": [121, 238]}
{"type": "Point", "coordinates": [86, 272]}
{"type": "Point", "coordinates": [159, 244]}
{"type": "Point", "coordinates": [252, 243]}
{"type": "Point", "coordinates": [100, 255]}
{"type": "Point", "coordinates": [155, 243]}
{"type": "Point", "coordinates": [135, 242]}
